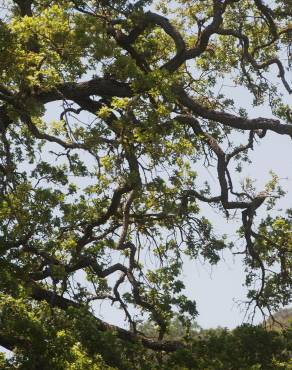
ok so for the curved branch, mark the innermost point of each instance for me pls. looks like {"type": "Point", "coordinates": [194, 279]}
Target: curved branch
{"type": "Point", "coordinates": [222, 170]}
{"type": "Point", "coordinates": [202, 42]}
{"type": "Point", "coordinates": [252, 61]}
{"type": "Point", "coordinates": [231, 120]}
{"type": "Point", "coordinates": [97, 86]}
{"type": "Point", "coordinates": [268, 14]}
{"type": "Point", "coordinates": [40, 294]}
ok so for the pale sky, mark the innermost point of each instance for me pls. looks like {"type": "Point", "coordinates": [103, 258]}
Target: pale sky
{"type": "Point", "coordinates": [216, 289]}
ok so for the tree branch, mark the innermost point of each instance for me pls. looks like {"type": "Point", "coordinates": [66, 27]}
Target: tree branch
{"type": "Point", "coordinates": [231, 120]}
{"type": "Point", "coordinates": [38, 293]}
{"type": "Point", "coordinates": [96, 86]}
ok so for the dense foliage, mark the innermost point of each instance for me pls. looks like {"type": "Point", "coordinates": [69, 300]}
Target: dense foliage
{"type": "Point", "coordinates": [106, 201]}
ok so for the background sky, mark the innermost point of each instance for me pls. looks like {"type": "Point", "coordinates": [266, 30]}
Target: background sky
{"type": "Point", "coordinates": [218, 289]}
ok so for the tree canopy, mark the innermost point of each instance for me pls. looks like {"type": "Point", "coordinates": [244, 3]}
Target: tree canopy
{"type": "Point", "coordinates": [106, 201]}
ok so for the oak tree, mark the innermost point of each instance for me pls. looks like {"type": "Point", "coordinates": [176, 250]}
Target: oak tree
{"type": "Point", "coordinates": [109, 110]}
